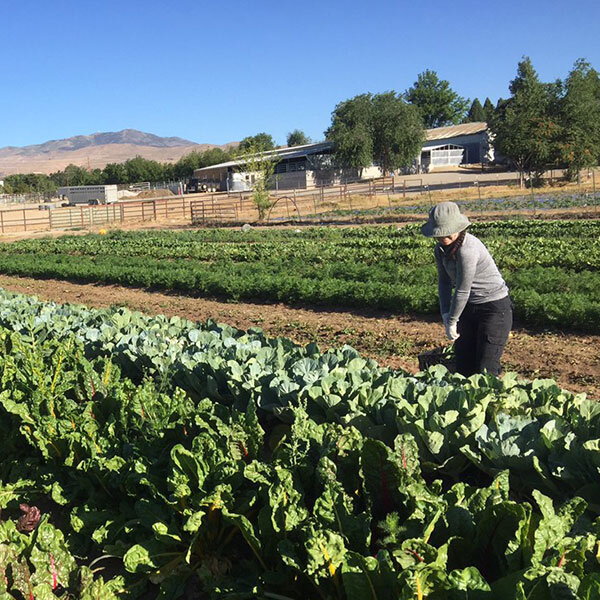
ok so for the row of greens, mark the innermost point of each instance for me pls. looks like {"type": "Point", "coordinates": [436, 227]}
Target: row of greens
{"type": "Point", "coordinates": [172, 456]}
{"type": "Point", "coordinates": [552, 268]}
{"type": "Point", "coordinates": [526, 202]}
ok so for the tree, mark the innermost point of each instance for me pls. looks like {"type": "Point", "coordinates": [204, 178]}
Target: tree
{"type": "Point", "coordinates": [488, 110]}
{"type": "Point", "coordinates": [438, 103]}
{"type": "Point", "coordinates": [21, 183]}
{"type": "Point", "coordinates": [297, 138]}
{"type": "Point", "coordinates": [351, 132]}
{"type": "Point", "coordinates": [186, 165]}
{"type": "Point", "coordinates": [381, 129]}
{"type": "Point", "coordinates": [580, 111]}
{"type": "Point", "coordinates": [74, 175]}
{"type": "Point", "coordinates": [261, 166]}
{"type": "Point", "coordinates": [476, 112]}
{"type": "Point", "coordinates": [398, 133]}
{"type": "Point", "coordinates": [115, 173]}
{"type": "Point", "coordinates": [261, 142]}
{"type": "Point", "coordinates": [525, 130]}
{"type": "Point", "coordinates": [214, 156]}
{"type": "Point", "coordinates": [141, 169]}
{"type": "Point", "coordinates": [96, 177]}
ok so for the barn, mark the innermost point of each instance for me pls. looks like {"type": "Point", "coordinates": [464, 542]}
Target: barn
{"type": "Point", "coordinates": [454, 145]}
{"type": "Point", "coordinates": [311, 165]}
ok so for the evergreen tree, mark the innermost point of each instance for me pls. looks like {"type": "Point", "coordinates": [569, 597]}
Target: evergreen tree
{"type": "Point", "coordinates": [476, 112]}
{"type": "Point", "coordinates": [488, 110]}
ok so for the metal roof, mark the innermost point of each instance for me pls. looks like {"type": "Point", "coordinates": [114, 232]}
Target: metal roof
{"type": "Point", "coordinates": [280, 153]}
{"type": "Point", "coordinates": [439, 133]}
{"type": "Point", "coordinates": [442, 133]}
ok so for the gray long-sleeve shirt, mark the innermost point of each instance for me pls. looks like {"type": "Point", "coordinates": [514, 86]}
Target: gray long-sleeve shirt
{"type": "Point", "coordinates": [474, 276]}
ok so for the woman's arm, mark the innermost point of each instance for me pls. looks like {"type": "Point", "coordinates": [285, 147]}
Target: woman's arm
{"type": "Point", "coordinates": [444, 284]}
{"type": "Point", "coordinates": [466, 265]}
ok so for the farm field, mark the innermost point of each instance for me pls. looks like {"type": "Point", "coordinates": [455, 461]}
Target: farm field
{"type": "Point", "coordinates": [551, 267]}
{"type": "Point", "coordinates": [535, 204]}
{"type": "Point", "coordinates": [161, 457]}
{"type": "Point", "coordinates": [153, 455]}
{"type": "Point", "coordinates": [572, 359]}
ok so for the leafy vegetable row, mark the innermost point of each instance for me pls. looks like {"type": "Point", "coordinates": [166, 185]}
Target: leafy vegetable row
{"type": "Point", "coordinates": [552, 268]}
{"type": "Point", "coordinates": [463, 427]}
{"type": "Point", "coordinates": [212, 494]}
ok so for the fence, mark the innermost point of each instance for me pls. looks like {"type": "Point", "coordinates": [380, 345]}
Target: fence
{"type": "Point", "coordinates": [224, 207]}
{"type": "Point", "coordinates": [84, 217]}
{"type": "Point", "coordinates": [31, 198]}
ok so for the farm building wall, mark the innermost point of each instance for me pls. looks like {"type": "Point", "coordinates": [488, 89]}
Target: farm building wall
{"type": "Point", "coordinates": [477, 147]}
{"type": "Point", "coordinates": [289, 181]}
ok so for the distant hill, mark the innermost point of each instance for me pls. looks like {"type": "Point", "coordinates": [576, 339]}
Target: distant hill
{"type": "Point", "coordinates": [95, 151]}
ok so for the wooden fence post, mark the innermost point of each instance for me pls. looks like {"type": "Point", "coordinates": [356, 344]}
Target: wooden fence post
{"type": "Point", "coordinates": [154, 208]}
{"type": "Point", "coordinates": [24, 221]}
{"type": "Point", "coordinates": [2, 220]}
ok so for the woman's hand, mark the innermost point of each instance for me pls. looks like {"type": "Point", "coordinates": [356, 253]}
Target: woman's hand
{"type": "Point", "coordinates": [451, 330]}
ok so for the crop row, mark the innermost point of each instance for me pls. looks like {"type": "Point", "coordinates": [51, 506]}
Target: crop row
{"type": "Point", "coordinates": [552, 268]}
{"type": "Point", "coordinates": [550, 243]}
{"type": "Point", "coordinates": [178, 454]}
{"type": "Point", "coordinates": [526, 202]}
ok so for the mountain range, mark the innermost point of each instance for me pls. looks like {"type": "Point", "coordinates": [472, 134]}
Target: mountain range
{"type": "Point", "coordinates": [95, 151]}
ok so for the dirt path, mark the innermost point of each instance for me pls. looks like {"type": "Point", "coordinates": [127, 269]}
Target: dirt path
{"type": "Point", "coordinates": [395, 341]}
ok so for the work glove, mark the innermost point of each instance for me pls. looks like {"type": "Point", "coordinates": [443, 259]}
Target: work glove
{"type": "Point", "coordinates": [451, 330]}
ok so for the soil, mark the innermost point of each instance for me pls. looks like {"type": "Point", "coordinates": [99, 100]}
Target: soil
{"type": "Point", "coordinates": [573, 360]}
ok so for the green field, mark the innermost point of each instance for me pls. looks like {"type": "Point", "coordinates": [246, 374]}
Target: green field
{"type": "Point", "coordinates": [164, 457]}
{"type": "Point", "coordinates": [551, 267]}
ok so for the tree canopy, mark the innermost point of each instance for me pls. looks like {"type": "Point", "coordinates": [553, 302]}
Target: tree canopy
{"type": "Point", "coordinates": [351, 132]}
{"type": "Point", "coordinates": [524, 127]}
{"type": "Point", "coordinates": [375, 129]}
{"type": "Point", "coordinates": [438, 103]}
{"type": "Point", "coordinates": [261, 142]}
{"type": "Point", "coordinates": [488, 110]}
{"type": "Point", "coordinates": [398, 133]}
{"type": "Point", "coordinates": [297, 138]}
{"type": "Point", "coordinates": [476, 112]}
{"type": "Point", "coordinates": [580, 111]}
{"type": "Point", "coordinates": [133, 170]}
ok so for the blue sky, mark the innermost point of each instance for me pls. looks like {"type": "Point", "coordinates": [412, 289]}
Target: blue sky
{"type": "Point", "coordinates": [215, 72]}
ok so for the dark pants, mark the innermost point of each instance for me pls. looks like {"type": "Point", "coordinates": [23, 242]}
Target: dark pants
{"type": "Point", "coordinates": [483, 330]}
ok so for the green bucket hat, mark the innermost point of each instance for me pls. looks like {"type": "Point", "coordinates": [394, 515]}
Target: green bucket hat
{"type": "Point", "coordinates": [444, 219]}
